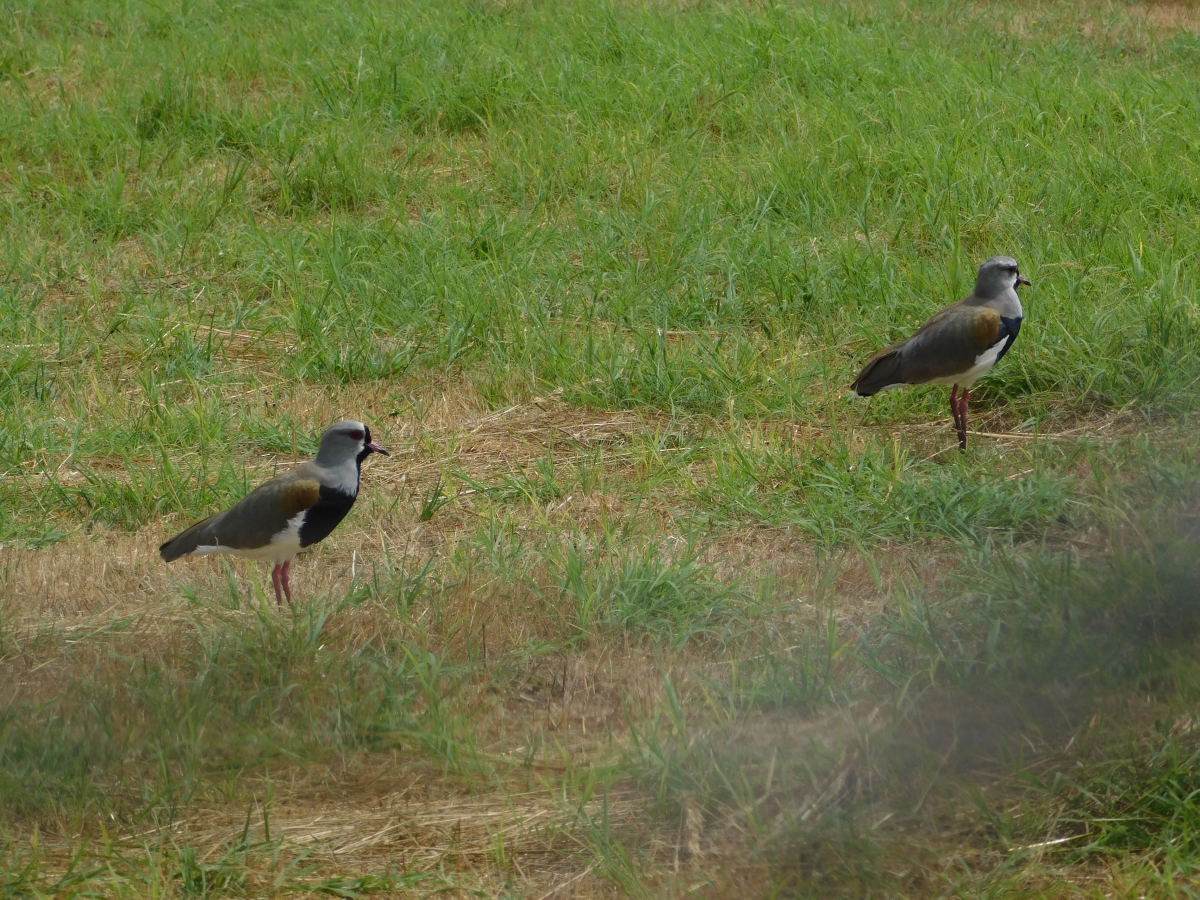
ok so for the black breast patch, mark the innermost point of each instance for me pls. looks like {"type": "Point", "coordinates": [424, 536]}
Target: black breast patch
{"type": "Point", "coordinates": [1009, 328]}
{"type": "Point", "coordinates": [322, 518]}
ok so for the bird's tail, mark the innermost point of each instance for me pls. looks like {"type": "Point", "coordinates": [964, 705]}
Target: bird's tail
{"type": "Point", "coordinates": [883, 371]}
{"type": "Point", "coordinates": [188, 541]}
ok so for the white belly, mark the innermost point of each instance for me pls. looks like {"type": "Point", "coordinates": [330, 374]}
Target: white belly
{"type": "Point", "coordinates": [983, 364]}
{"type": "Point", "coordinates": [282, 547]}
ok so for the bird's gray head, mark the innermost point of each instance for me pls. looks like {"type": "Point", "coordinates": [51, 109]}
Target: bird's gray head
{"type": "Point", "coordinates": [346, 441]}
{"type": "Point", "coordinates": [997, 276]}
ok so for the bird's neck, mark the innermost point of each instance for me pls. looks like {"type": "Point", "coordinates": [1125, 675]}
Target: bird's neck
{"type": "Point", "coordinates": [344, 477]}
{"type": "Point", "coordinates": [1008, 305]}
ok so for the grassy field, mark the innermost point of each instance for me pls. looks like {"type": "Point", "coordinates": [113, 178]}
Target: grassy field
{"type": "Point", "coordinates": [644, 602]}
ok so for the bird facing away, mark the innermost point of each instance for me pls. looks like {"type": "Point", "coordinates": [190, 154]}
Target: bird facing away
{"type": "Point", "coordinates": [292, 511]}
{"type": "Point", "coordinates": [958, 346]}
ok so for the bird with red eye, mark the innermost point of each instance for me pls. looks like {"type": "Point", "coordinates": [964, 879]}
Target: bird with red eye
{"type": "Point", "coordinates": [292, 511]}
{"type": "Point", "coordinates": [957, 346]}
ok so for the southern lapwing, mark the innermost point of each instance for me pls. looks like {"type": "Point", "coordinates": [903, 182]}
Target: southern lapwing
{"type": "Point", "coordinates": [292, 511]}
{"type": "Point", "coordinates": [957, 346]}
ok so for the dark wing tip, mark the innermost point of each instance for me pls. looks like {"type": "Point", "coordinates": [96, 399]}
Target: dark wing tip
{"type": "Point", "coordinates": [884, 370]}
{"type": "Point", "coordinates": [170, 553]}
{"type": "Point", "coordinates": [183, 543]}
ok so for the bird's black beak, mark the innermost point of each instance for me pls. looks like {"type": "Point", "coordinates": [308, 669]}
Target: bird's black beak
{"type": "Point", "coordinates": [375, 448]}
{"type": "Point", "coordinates": [1021, 279]}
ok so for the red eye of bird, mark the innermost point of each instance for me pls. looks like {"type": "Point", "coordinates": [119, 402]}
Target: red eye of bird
{"type": "Point", "coordinates": [356, 435]}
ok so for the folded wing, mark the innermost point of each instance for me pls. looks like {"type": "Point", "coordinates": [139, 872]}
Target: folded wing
{"type": "Point", "coordinates": [945, 347]}
{"type": "Point", "coordinates": [252, 522]}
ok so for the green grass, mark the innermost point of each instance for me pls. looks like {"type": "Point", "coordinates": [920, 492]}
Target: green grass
{"type": "Point", "coordinates": [599, 274]}
{"type": "Point", "coordinates": [520, 199]}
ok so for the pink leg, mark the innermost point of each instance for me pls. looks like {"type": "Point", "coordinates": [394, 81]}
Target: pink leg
{"type": "Point", "coordinates": [954, 406]}
{"type": "Point", "coordinates": [276, 578]}
{"type": "Point", "coordinates": [286, 577]}
{"type": "Point", "coordinates": [963, 399]}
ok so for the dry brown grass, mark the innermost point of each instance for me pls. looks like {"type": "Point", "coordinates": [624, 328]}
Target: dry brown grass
{"type": "Point", "coordinates": [1133, 26]}
{"type": "Point", "coordinates": [379, 812]}
{"type": "Point", "coordinates": [78, 606]}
